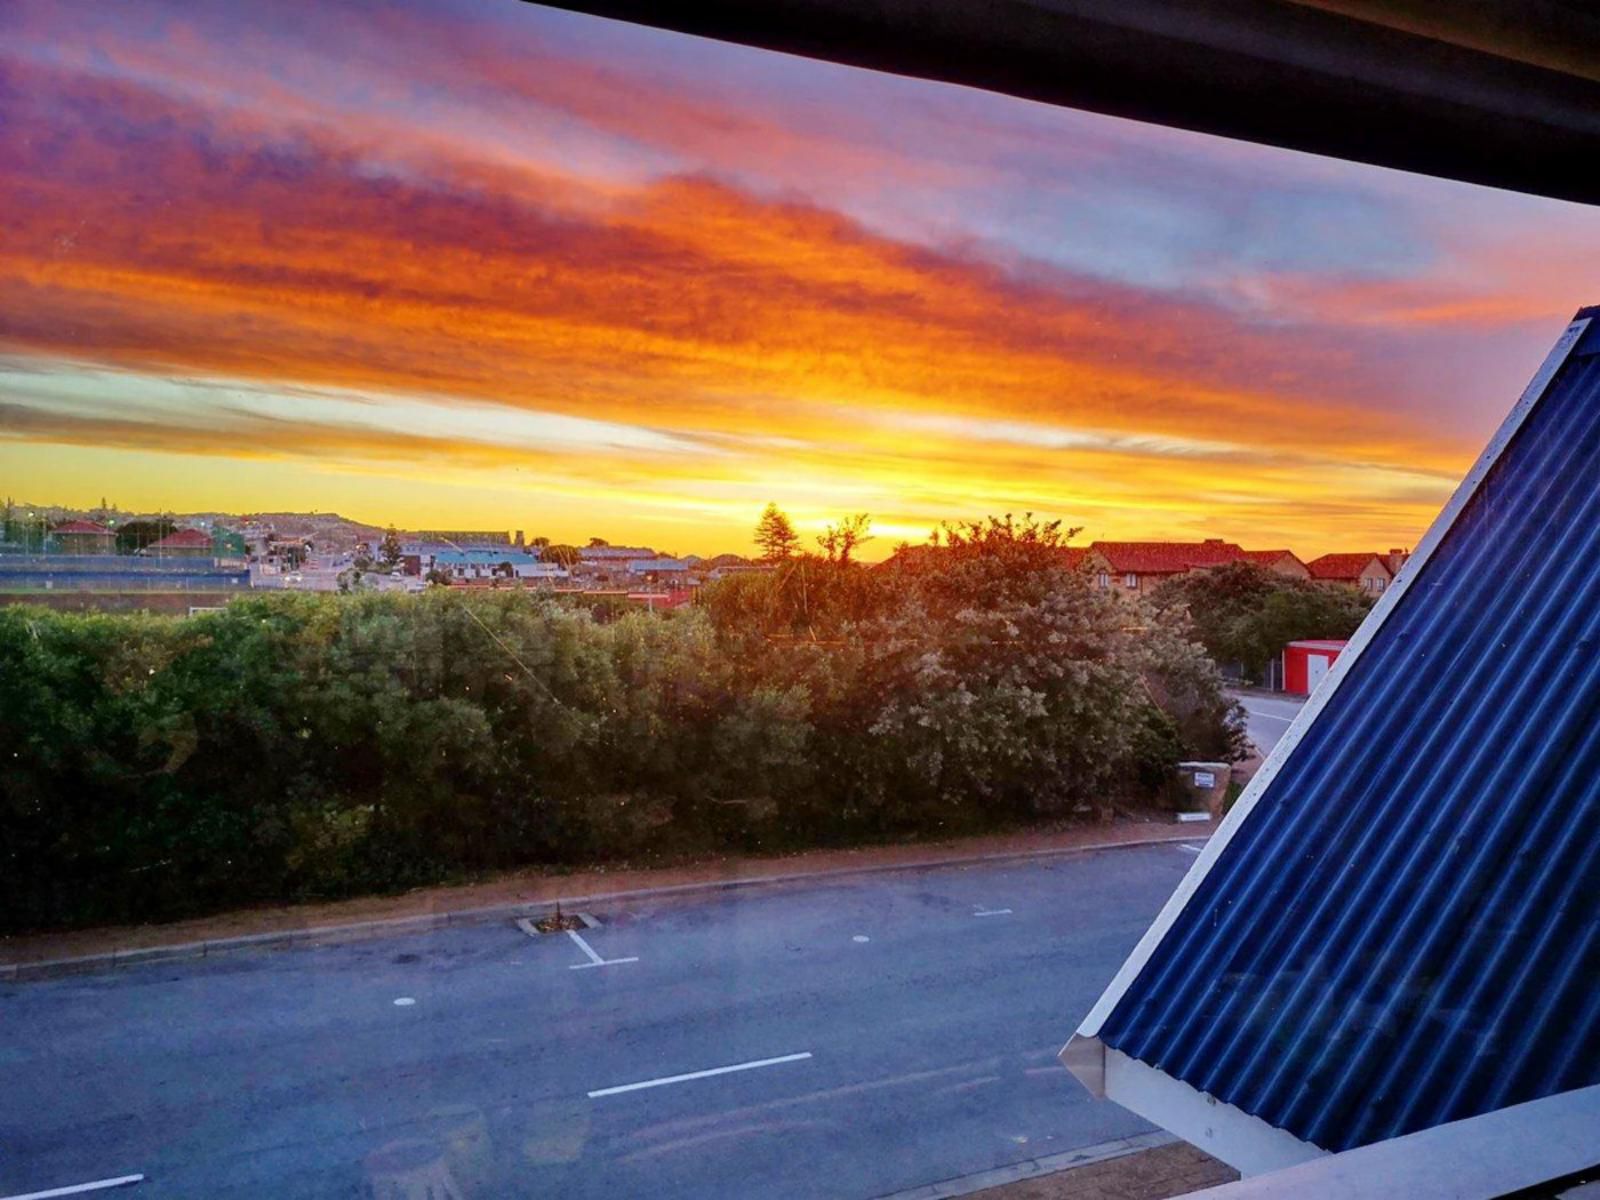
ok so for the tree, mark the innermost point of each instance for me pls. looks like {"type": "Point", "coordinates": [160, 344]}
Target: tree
{"type": "Point", "coordinates": [389, 550]}
{"type": "Point", "coordinates": [594, 541]}
{"type": "Point", "coordinates": [839, 541]}
{"type": "Point", "coordinates": [562, 555]}
{"type": "Point", "coordinates": [775, 534]}
{"type": "Point", "coordinates": [1244, 614]}
{"type": "Point", "coordinates": [136, 535]}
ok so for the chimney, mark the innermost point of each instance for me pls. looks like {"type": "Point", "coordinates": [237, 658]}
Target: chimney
{"type": "Point", "coordinates": [519, 539]}
{"type": "Point", "coordinates": [1213, 542]}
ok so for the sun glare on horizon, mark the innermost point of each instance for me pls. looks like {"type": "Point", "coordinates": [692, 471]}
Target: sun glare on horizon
{"type": "Point", "coordinates": [489, 265]}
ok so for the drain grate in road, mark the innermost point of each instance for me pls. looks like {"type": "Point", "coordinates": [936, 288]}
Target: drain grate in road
{"type": "Point", "coordinates": [556, 922]}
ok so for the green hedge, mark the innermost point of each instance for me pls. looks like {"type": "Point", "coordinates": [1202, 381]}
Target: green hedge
{"type": "Point", "coordinates": [296, 746]}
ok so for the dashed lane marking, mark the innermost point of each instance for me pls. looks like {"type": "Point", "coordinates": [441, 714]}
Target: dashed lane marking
{"type": "Point", "coordinates": [78, 1189]}
{"type": "Point", "coordinates": [664, 1081]}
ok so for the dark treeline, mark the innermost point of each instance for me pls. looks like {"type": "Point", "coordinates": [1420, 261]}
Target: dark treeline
{"type": "Point", "coordinates": [300, 745]}
{"type": "Point", "coordinates": [1246, 615]}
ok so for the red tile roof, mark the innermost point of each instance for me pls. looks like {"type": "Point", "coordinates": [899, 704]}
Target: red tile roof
{"type": "Point", "coordinates": [81, 527]}
{"type": "Point", "coordinates": [1166, 558]}
{"type": "Point", "coordinates": [183, 539]}
{"type": "Point", "coordinates": [1265, 558]}
{"type": "Point", "coordinates": [1343, 566]}
{"type": "Point", "coordinates": [1072, 557]}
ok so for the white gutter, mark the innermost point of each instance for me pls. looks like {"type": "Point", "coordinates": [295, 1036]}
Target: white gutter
{"type": "Point", "coordinates": [1479, 1158]}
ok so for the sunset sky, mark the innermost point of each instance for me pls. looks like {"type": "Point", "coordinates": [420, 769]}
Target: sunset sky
{"type": "Point", "coordinates": [483, 264]}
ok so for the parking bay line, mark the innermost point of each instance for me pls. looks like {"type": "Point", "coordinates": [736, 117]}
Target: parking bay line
{"type": "Point", "coordinates": [594, 959]}
{"type": "Point", "coordinates": [993, 912]}
{"type": "Point", "coordinates": [1195, 850]}
{"type": "Point", "coordinates": [527, 927]}
{"type": "Point", "coordinates": [662, 1082]}
{"type": "Point", "coordinates": [78, 1189]}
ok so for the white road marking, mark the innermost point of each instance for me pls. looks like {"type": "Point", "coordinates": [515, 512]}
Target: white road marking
{"type": "Point", "coordinates": [653, 1083]}
{"type": "Point", "coordinates": [594, 959]}
{"type": "Point", "coordinates": [993, 912]}
{"type": "Point", "coordinates": [1261, 716]}
{"type": "Point", "coordinates": [861, 937]}
{"type": "Point", "coordinates": [1191, 849]}
{"type": "Point", "coordinates": [403, 1002]}
{"type": "Point", "coordinates": [526, 925]}
{"type": "Point", "coordinates": [77, 1189]}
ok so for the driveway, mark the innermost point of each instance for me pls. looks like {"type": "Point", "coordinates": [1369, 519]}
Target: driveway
{"type": "Point", "coordinates": [848, 1038]}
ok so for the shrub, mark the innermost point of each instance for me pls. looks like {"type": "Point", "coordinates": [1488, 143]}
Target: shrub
{"type": "Point", "coordinates": [297, 745]}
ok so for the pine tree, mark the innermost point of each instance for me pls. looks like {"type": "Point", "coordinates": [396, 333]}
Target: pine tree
{"type": "Point", "coordinates": [775, 534]}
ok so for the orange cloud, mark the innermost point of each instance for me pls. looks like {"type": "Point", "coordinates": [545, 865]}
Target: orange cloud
{"type": "Point", "coordinates": [155, 236]}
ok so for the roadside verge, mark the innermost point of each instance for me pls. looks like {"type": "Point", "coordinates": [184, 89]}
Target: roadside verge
{"type": "Point", "coordinates": [527, 893]}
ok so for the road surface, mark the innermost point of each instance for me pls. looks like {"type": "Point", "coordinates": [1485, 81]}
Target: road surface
{"type": "Point", "coordinates": [1268, 717]}
{"type": "Point", "coordinates": [843, 1038]}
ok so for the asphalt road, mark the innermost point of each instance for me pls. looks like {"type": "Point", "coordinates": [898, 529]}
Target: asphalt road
{"type": "Point", "coordinates": [1268, 717]}
{"type": "Point", "coordinates": [928, 1006]}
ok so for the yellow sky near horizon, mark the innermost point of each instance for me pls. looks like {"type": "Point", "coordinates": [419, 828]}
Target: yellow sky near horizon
{"type": "Point", "coordinates": [642, 290]}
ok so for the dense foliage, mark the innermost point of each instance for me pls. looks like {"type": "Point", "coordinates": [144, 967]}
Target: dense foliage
{"type": "Point", "coordinates": [1244, 614]}
{"type": "Point", "coordinates": [298, 745]}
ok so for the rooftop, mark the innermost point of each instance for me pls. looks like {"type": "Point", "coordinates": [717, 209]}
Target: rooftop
{"type": "Point", "coordinates": [183, 539]}
{"type": "Point", "coordinates": [1396, 926]}
{"type": "Point", "coordinates": [81, 527]}
{"type": "Point", "coordinates": [1344, 566]}
{"type": "Point", "coordinates": [1166, 558]}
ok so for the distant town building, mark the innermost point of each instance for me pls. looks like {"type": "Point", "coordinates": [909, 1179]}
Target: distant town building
{"type": "Point", "coordinates": [1280, 562]}
{"type": "Point", "coordinates": [614, 554]}
{"type": "Point", "coordinates": [465, 538]}
{"type": "Point", "coordinates": [183, 543]}
{"type": "Point", "coordinates": [82, 537]}
{"type": "Point", "coordinates": [1395, 559]}
{"type": "Point", "coordinates": [481, 564]}
{"type": "Point", "coordinates": [1139, 567]}
{"type": "Point", "coordinates": [659, 566]}
{"type": "Point", "coordinates": [1365, 571]}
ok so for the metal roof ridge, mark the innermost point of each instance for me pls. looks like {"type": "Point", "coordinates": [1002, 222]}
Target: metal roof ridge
{"type": "Point", "coordinates": [1084, 1053]}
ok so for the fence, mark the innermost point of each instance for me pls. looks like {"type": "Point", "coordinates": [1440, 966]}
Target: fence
{"type": "Point", "coordinates": [117, 573]}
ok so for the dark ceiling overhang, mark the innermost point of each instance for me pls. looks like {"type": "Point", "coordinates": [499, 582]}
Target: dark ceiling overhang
{"type": "Point", "coordinates": [1498, 92]}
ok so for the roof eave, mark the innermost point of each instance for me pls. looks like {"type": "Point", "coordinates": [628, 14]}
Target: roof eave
{"type": "Point", "coordinates": [1246, 1143]}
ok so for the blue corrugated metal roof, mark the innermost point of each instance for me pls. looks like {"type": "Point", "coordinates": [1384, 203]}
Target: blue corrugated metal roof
{"type": "Point", "coordinates": [1404, 929]}
{"type": "Point", "coordinates": [464, 558]}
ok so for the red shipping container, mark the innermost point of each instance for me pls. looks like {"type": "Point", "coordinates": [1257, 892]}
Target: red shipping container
{"type": "Point", "coordinates": [1305, 664]}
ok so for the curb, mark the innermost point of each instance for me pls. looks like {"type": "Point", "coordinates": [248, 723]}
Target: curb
{"type": "Point", "coordinates": [1050, 1164]}
{"type": "Point", "coordinates": [426, 922]}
